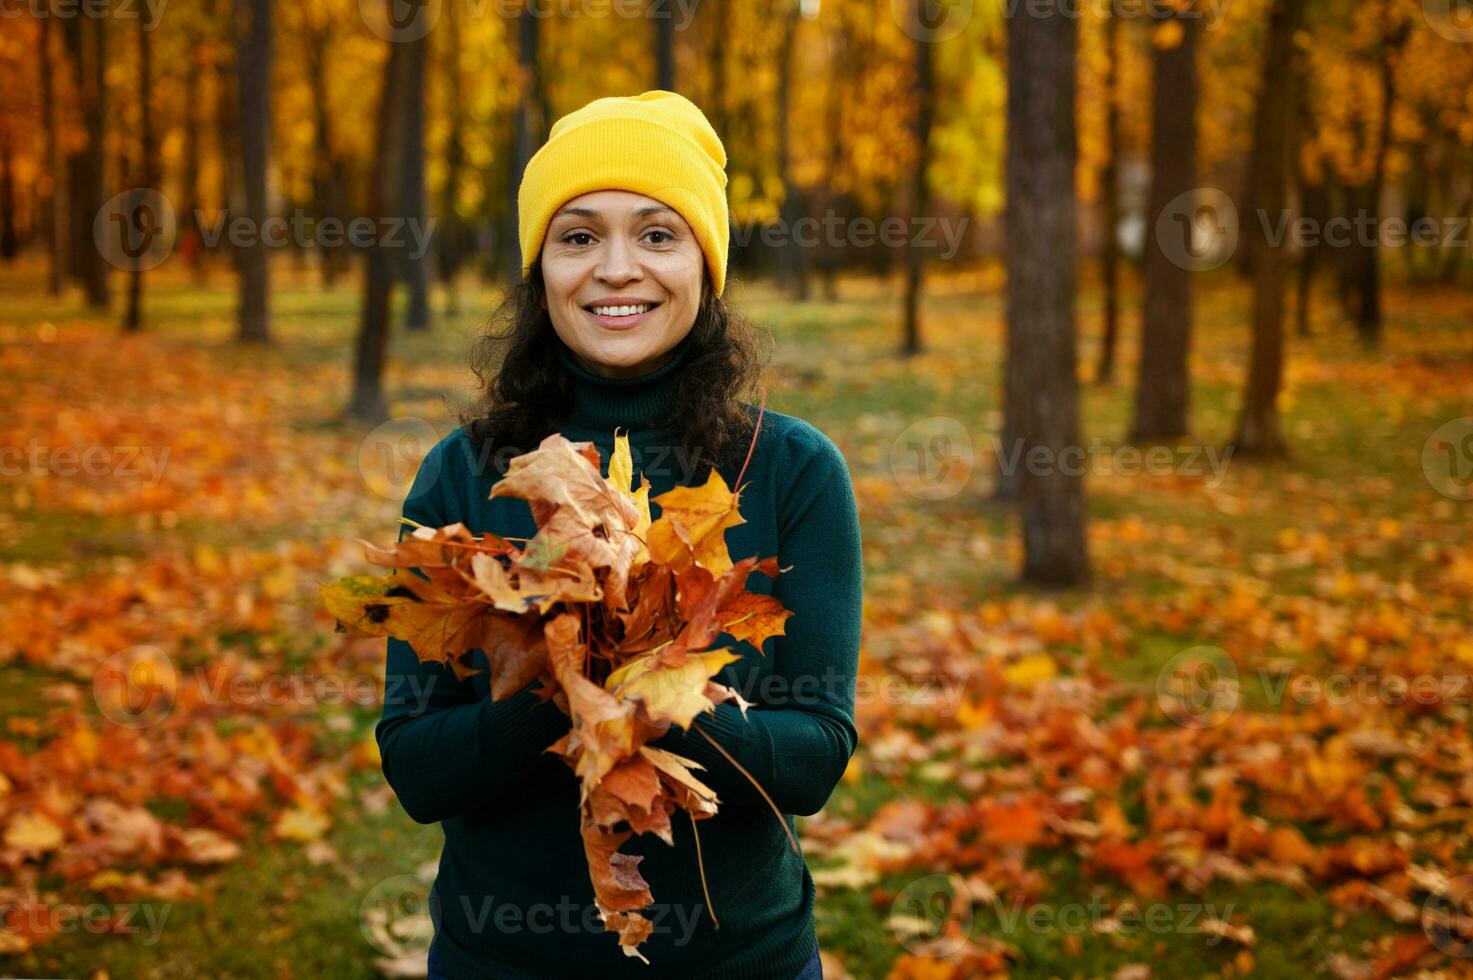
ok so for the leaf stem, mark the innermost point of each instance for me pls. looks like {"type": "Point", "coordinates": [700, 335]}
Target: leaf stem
{"type": "Point", "coordinates": [757, 428]}
{"type": "Point", "coordinates": [701, 867]}
{"type": "Point", "coordinates": [778, 813]}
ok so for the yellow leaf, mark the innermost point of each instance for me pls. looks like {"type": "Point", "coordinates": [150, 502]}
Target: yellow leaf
{"type": "Point", "coordinates": [301, 825]}
{"type": "Point", "coordinates": [33, 832]}
{"type": "Point", "coordinates": [675, 694]}
{"type": "Point", "coordinates": [692, 526]}
{"type": "Point", "coordinates": [621, 478]}
{"type": "Point", "coordinates": [1031, 670]}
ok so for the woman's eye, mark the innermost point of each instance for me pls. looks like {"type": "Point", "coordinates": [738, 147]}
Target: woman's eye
{"type": "Point", "coordinates": [663, 236]}
{"type": "Point", "coordinates": [583, 236]}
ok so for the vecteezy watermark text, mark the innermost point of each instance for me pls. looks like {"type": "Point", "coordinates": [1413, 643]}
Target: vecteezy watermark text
{"type": "Point", "coordinates": [402, 21]}
{"type": "Point", "coordinates": [936, 913]}
{"type": "Point", "coordinates": [1210, 12]}
{"type": "Point", "coordinates": [137, 230]}
{"type": "Point", "coordinates": [137, 688]}
{"type": "Point", "coordinates": [1099, 460]}
{"type": "Point", "coordinates": [569, 916]}
{"type": "Point", "coordinates": [125, 918]}
{"type": "Point", "coordinates": [96, 9]}
{"type": "Point", "coordinates": [301, 229]}
{"type": "Point", "coordinates": [38, 459]}
{"type": "Point", "coordinates": [835, 230]}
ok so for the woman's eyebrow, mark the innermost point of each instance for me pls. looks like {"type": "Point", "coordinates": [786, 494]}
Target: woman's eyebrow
{"type": "Point", "coordinates": [593, 213]}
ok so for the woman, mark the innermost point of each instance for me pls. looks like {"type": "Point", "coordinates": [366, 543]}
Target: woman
{"type": "Point", "coordinates": [618, 322]}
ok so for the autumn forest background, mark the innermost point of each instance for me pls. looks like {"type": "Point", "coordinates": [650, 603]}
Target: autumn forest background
{"type": "Point", "coordinates": [1145, 326]}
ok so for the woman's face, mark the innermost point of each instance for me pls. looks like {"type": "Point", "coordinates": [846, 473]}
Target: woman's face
{"type": "Point", "coordinates": [623, 275]}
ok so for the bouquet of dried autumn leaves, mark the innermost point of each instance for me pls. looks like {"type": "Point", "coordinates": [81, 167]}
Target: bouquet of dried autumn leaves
{"type": "Point", "coordinates": [612, 611]}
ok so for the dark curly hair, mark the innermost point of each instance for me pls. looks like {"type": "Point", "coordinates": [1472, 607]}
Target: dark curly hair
{"type": "Point", "coordinates": [526, 392]}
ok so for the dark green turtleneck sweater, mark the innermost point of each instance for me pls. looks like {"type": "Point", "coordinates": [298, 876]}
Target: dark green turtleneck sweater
{"type": "Point", "coordinates": [513, 899]}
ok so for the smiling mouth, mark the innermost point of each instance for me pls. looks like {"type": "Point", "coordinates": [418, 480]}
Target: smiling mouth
{"type": "Point", "coordinates": [617, 312]}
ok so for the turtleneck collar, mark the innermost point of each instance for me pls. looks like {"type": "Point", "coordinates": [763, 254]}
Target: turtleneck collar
{"type": "Point", "coordinates": [637, 403]}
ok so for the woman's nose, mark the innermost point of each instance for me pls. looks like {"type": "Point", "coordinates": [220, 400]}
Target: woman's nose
{"type": "Point", "coordinates": [618, 262]}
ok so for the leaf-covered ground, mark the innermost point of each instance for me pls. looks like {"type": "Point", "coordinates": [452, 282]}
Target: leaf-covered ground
{"type": "Point", "coordinates": [1244, 750]}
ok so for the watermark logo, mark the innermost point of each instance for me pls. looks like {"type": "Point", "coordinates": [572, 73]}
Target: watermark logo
{"type": "Point", "coordinates": [1447, 459]}
{"type": "Point", "coordinates": [1198, 688]}
{"type": "Point", "coordinates": [1198, 229]}
{"type": "Point", "coordinates": [1447, 917]}
{"type": "Point", "coordinates": [400, 21]}
{"type": "Point", "coordinates": [932, 458]}
{"type": "Point", "coordinates": [1451, 19]}
{"type": "Point", "coordinates": [135, 230]}
{"type": "Point", "coordinates": [933, 914]}
{"type": "Point", "coordinates": [390, 455]}
{"type": "Point", "coordinates": [396, 916]}
{"type": "Point", "coordinates": [932, 20]}
{"type": "Point", "coordinates": [135, 687]}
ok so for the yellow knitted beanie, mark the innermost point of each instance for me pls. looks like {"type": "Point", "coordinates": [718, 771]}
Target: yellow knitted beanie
{"type": "Point", "coordinates": [658, 144]}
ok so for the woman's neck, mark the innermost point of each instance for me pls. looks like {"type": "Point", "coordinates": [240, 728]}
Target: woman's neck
{"type": "Point", "coordinates": [635, 403]}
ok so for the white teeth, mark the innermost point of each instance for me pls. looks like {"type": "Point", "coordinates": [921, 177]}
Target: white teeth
{"type": "Point", "coordinates": [621, 310]}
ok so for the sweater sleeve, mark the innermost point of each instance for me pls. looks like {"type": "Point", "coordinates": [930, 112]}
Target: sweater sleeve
{"type": "Point", "coordinates": [798, 744]}
{"type": "Point", "coordinates": [446, 749]}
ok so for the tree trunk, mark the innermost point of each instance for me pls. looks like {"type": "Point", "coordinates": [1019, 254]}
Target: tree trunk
{"type": "Point", "coordinates": [327, 192]}
{"type": "Point", "coordinates": [664, 46]}
{"type": "Point", "coordinates": [840, 74]}
{"type": "Point", "coordinates": [716, 54]}
{"type": "Point", "coordinates": [58, 239]}
{"type": "Point", "coordinates": [371, 347]}
{"type": "Point", "coordinates": [452, 234]}
{"type": "Point", "coordinates": [925, 99]}
{"type": "Point", "coordinates": [188, 216]}
{"type": "Point", "coordinates": [1110, 206]}
{"type": "Point", "coordinates": [147, 166]}
{"type": "Point", "coordinates": [1315, 204]}
{"type": "Point", "coordinates": [526, 125]}
{"type": "Point", "coordinates": [1368, 279]}
{"type": "Point", "coordinates": [1042, 386]}
{"type": "Point", "coordinates": [793, 269]}
{"type": "Point", "coordinates": [1163, 386]}
{"type": "Point", "coordinates": [87, 45]}
{"type": "Point", "coordinates": [9, 240]}
{"type": "Point", "coordinates": [253, 72]}
{"type": "Point", "coordinates": [415, 209]}
{"type": "Point", "coordinates": [1258, 420]}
